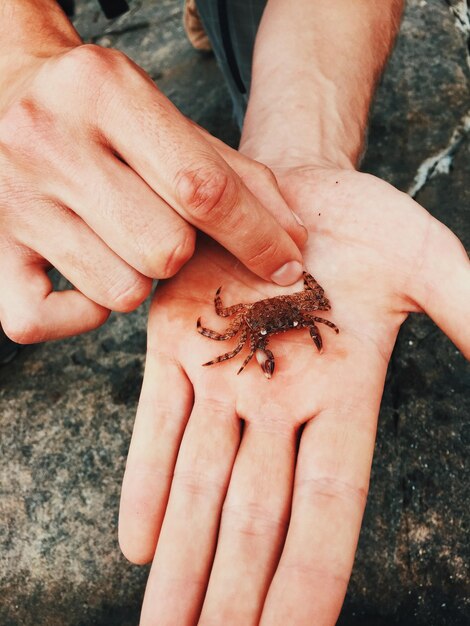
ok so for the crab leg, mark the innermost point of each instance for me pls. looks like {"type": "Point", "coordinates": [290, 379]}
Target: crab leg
{"type": "Point", "coordinates": [252, 351]}
{"type": "Point", "coordinates": [234, 352]}
{"type": "Point", "coordinates": [228, 310]}
{"type": "Point", "coordinates": [266, 360]}
{"type": "Point", "coordinates": [309, 322]}
{"type": "Point", "coordinates": [321, 320]}
{"type": "Point", "coordinates": [315, 335]}
{"type": "Point", "coordinates": [311, 283]}
{"type": "Point", "coordinates": [231, 331]}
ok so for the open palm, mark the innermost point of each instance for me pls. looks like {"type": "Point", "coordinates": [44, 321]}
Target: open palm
{"type": "Point", "coordinates": [252, 490]}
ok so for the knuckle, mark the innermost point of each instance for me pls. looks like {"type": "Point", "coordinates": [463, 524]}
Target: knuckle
{"type": "Point", "coordinates": [178, 255]}
{"type": "Point", "coordinates": [84, 74]}
{"type": "Point", "coordinates": [22, 329]}
{"type": "Point", "coordinates": [254, 520]}
{"type": "Point", "coordinates": [219, 408]}
{"type": "Point", "coordinates": [266, 173]}
{"type": "Point", "coordinates": [265, 251]}
{"type": "Point", "coordinates": [198, 484]}
{"type": "Point", "coordinates": [127, 294]}
{"type": "Point", "coordinates": [307, 572]}
{"type": "Point", "coordinates": [208, 193]}
{"type": "Point", "coordinates": [26, 127]}
{"type": "Point", "coordinates": [164, 258]}
{"type": "Point", "coordinates": [101, 317]}
{"type": "Point", "coordinates": [331, 488]}
{"type": "Point", "coordinates": [91, 60]}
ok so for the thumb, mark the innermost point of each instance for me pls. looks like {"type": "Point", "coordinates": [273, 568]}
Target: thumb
{"type": "Point", "coordinates": [442, 286]}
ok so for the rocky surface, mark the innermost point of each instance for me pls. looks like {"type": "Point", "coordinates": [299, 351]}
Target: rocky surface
{"type": "Point", "coordinates": [66, 408]}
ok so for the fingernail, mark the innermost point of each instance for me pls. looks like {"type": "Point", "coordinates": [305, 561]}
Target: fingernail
{"type": "Point", "coordinates": [297, 219]}
{"type": "Point", "coordinates": [287, 274]}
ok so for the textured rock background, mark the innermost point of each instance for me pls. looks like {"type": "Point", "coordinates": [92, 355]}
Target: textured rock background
{"type": "Point", "coordinates": [66, 408]}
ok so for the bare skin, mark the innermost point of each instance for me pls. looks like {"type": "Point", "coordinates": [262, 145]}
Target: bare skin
{"type": "Point", "coordinates": [110, 189]}
{"type": "Point", "coordinates": [253, 493]}
{"type": "Point", "coordinates": [247, 529]}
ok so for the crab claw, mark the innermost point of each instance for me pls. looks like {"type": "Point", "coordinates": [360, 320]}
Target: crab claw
{"type": "Point", "coordinates": [266, 359]}
{"type": "Point", "coordinates": [317, 340]}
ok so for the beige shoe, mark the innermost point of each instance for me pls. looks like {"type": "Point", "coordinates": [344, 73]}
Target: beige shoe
{"type": "Point", "coordinates": [194, 28]}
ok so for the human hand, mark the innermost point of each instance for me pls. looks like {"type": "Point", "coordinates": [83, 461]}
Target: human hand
{"type": "Point", "coordinates": [255, 489]}
{"type": "Point", "coordinates": [103, 178]}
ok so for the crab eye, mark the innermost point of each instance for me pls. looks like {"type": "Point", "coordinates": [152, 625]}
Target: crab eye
{"type": "Point", "coordinates": [264, 332]}
{"type": "Point", "coordinates": [295, 323]}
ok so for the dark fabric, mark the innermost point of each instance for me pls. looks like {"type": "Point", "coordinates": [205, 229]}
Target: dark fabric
{"type": "Point", "coordinates": [228, 47]}
{"type": "Point", "coordinates": [68, 6]}
{"type": "Point", "coordinates": [111, 8]}
{"type": "Point", "coordinates": [231, 26]}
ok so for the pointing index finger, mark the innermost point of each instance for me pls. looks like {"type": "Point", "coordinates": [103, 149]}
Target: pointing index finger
{"type": "Point", "coordinates": [180, 165]}
{"type": "Point", "coordinates": [214, 199]}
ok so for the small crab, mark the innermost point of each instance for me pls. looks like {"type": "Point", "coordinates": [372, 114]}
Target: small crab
{"type": "Point", "coordinates": [268, 317]}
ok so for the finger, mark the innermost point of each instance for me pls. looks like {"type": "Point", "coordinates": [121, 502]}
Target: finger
{"type": "Point", "coordinates": [253, 526]}
{"type": "Point", "coordinates": [164, 407]}
{"type": "Point", "coordinates": [84, 259]}
{"type": "Point", "coordinates": [188, 173]}
{"type": "Point", "coordinates": [128, 215]}
{"type": "Point", "coordinates": [185, 550]}
{"type": "Point", "coordinates": [442, 287]}
{"type": "Point", "coordinates": [262, 182]}
{"type": "Point", "coordinates": [30, 311]}
{"type": "Point", "coordinates": [331, 482]}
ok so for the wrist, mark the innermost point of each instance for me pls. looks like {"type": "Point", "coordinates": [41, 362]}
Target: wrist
{"type": "Point", "coordinates": [315, 67]}
{"type": "Point", "coordinates": [278, 151]}
{"type": "Point", "coordinates": [292, 135]}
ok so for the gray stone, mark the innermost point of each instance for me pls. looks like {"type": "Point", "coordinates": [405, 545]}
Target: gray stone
{"type": "Point", "coordinates": [66, 408]}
